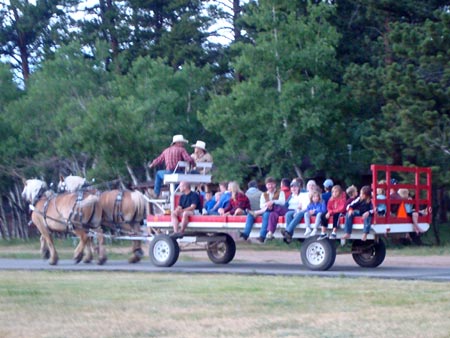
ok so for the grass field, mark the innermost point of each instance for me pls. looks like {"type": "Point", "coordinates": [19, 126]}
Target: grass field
{"type": "Point", "coordinates": [81, 304]}
{"type": "Point", "coordinates": [112, 304]}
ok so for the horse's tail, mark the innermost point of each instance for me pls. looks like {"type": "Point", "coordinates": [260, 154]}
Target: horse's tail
{"type": "Point", "coordinates": [88, 201]}
{"type": "Point", "coordinates": [140, 203]}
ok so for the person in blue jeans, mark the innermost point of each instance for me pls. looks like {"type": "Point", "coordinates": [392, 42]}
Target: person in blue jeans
{"type": "Point", "coordinates": [362, 206]}
{"type": "Point", "coordinates": [272, 200]}
{"type": "Point", "coordinates": [293, 219]}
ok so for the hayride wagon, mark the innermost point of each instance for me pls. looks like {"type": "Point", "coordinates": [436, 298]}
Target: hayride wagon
{"type": "Point", "coordinates": [215, 233]}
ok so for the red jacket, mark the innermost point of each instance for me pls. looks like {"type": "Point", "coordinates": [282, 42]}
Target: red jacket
{"type": "Point", "coordinates": [336, 205]}
{"type": "Point", "coordinates": [241, 201]}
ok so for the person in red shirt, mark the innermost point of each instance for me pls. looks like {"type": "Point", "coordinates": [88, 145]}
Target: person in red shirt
{"type": "Point", "coordinates": [170, 157]}
{"type": "Point", "coordinates": [239, 202]}
{"type": "Point", "coordinates": [335, 207]}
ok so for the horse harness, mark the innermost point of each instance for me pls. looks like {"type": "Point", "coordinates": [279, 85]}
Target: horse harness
{"type": "Point", "coordinates": [75, 216]}
{"type": "Point", "coordinates": [118, 217]}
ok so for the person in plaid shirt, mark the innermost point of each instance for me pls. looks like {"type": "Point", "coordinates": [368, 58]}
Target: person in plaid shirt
{"type": "Point", "coordinates": [170, 157]}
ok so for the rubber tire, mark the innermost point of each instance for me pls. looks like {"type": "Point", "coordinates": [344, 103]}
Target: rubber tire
{"type": "Point", "coordinates": [222, 251]}
{"type": "Point", "coordinates": [374, 254]}
{"type": "Point", "coordinates": [318, 255]}
{"type": "Point", "coordinates": [164, 251]}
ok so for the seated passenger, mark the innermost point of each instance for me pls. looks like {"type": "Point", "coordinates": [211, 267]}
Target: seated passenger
{"type": "Point", "coordinates": [239, 203]}
{"type": "Point", "coordinates": [381, 195]}
{"type": "Point", "coordinates": [224, 199]}
{"type": "Point", "coordinates": [187, 205]}
{"type": "Point", "coordinates": [352, 194]}
{"type": "Point", "coordinates": [209, 202]}
{"type": "Point", "coordinates": [253, 194]}
{"type": "Point", "coordinates": [362, 206]}
{"type": "Point", "coordinates": [409, 208]}
{"type": "Point", "coordinates": [315, 208]}
{"type": "Point", "coordinates": [200, 155]}
{"type": "Point", "coordinates": [292, 222]}
{"type": "Point", "coordinates": [294, 205]}
{"type": "Point", "coordinates": [327, 185]}
{"type": "Point", "coordinates": [335, 207]}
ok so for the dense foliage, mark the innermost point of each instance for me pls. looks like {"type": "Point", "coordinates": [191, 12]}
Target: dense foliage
{"type": "Point", "coordinates": [300, 88]}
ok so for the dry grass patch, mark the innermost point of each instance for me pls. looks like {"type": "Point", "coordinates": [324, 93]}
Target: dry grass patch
{"type": "Point", "coordinates": [86, 304]}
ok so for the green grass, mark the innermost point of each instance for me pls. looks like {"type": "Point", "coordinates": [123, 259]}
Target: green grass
{"type": "Point", "coordinates": [87, 304]}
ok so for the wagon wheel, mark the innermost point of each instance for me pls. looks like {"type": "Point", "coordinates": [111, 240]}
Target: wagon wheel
{"type": "Point", "coordinates": [221, 251]}
{"type": "Point", "coordinates": [368, 254]}
{"type": "Point", "coordinates": [318, 254]}
{"type": "Point", "coordinates": [164, 250]}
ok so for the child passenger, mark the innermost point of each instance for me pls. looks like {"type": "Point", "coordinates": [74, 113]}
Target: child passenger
{"type": "Point", "coordinates": [315, 208]}
{"type": "Point", "coordinates": [335, 206]}
{"type": "Point", "coordinates": [362, 206]}
{"type": "Point", "coordinates": [409, 208]}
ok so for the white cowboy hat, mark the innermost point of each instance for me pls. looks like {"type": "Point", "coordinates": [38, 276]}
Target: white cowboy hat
{"type": "Point", "coordinates": [179, 138]}
{"type": "Point", "coordinates": [200, 144]}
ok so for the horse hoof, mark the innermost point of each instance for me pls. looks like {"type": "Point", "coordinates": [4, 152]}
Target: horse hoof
{"type": "Point", "coordinates": [102, 260]}
{"type": "Point", "coordinates": [87, 261]}
{"type": "Point", "coordinates": [53, 261]}
{"type": "Point", "coordinates": [45, 254]}
{"type": "Point", "coordinates": [77, 259]}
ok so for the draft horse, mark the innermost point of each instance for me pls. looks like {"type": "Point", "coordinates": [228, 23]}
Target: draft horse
{"type": "Point", "coordinates": [123, 211]}
{"type": "Point", "coordinates": [67, 212]}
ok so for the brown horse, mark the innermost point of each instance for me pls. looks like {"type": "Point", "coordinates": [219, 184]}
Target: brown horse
{"type": "Point", "coordinates": [75, 212]}
{"type": "Point", "coordinates": [123, 211]}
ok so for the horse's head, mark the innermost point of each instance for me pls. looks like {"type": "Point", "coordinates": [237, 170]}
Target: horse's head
{"type": "Point", "coordinates": [71, 183]}
{"type": "Point", "coordinates": [33, 189]}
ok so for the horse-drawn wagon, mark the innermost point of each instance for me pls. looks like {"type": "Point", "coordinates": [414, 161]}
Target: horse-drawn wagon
{"type": "Point", "coordinates": [215, 233]}
{"type": "Point", "coordinates": [124, 212]}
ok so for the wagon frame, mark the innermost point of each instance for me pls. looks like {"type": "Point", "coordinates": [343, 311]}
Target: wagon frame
{"type": "Point", "coordinates": [214, 233]}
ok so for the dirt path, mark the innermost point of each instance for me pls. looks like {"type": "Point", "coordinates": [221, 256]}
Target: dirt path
{"type": "Point", "coordinates": [277, 256]}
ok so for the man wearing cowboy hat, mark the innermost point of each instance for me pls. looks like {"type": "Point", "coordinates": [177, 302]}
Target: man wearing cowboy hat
{"type": "Point", "coordinates": [201, 155]}
{"type": "Point", "coordinates": [170, 156]}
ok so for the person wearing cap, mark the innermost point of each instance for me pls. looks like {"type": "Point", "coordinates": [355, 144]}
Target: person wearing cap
{"type": "Point", "coordinates": [271, 201]}
{"type": "Point", "coordinates": [170, 157]}
{"type": "Point", "coordinates": [201, 155]}
{"type": "Point", "coordinates": [293, 222]}
{"type": "Point", "coordinates": [327, 185]}
{"type": "Point", "coordinates": [294, 204]}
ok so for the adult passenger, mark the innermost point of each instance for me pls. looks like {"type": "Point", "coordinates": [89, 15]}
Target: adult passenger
{"type": "Point", "coordinates": [170, 157]}
{"type": "Point", "coordinates": [187, 205]}
{"type": "Point", "coordinates": [253, 194]}
{"type": "Point", "coordinates": [201, 155]}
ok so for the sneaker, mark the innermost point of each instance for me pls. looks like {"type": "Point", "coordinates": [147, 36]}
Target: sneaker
{"type": "Point", "coordinates": [333, 235]}
{"type": "Point", "coordinates": [269, 235]}
{"type": "Point", "coordinates": [322, 236]}
{"type": "Point", "coordinates": [243, 236]}
{"type": "Point", "coordinates": [307, 232]}
{"type": "Point", "coordinates": [260, 239]}
{"type": "Point", "coordinates": [313, 232]}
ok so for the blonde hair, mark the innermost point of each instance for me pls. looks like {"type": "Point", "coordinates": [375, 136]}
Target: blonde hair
{"type": "Point", "coordinates": [315, 193]}
{"type": "Point", "coordinates": [234, 188]}
{"type": "Point", "coordinates": [337, 188]}
{"type": "Point", "coordinates": [351, 190]}
{"type": "Point", "coordinates": [403, 192]}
